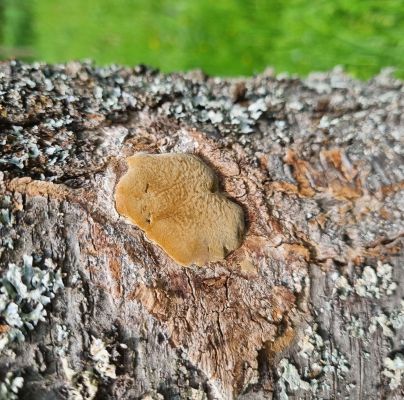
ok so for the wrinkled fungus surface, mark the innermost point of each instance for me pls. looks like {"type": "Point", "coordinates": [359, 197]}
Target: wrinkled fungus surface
{"type": "Point", "coordinates": [175, 199]}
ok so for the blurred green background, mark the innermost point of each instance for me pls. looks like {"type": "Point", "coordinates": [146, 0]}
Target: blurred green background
{"type": "Point", "coordinates": [223, 37]}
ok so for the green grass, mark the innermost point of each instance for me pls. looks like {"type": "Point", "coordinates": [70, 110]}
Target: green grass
{"type": "Point", "coordinates": [16, 34]}
{"type": "Point", "coordinates": [223, 37]}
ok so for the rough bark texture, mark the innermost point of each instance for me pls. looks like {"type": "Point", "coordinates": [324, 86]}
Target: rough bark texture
{"type": "Point", "coordinates": [310, 306]}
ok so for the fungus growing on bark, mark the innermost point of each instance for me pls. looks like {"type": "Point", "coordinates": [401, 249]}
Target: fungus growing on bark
{"type": "Point", "coordinates": [175, 199]}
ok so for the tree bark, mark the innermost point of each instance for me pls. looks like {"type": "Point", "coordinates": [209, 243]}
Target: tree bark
{"type": "Point", "coordinates": [310, 306]}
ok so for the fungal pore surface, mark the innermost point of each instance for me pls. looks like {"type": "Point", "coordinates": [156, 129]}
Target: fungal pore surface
{"type": "Point", "coordinates": [175, 199]}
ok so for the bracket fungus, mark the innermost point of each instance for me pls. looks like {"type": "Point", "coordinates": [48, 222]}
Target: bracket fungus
{"type": "Point", "coordinates": [175, 200]}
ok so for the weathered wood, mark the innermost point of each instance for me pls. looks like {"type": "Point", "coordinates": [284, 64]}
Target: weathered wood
{"type": "Point", "coordinates": [310, 306]}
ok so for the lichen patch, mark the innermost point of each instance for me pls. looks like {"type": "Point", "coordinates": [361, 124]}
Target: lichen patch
{"type": "Point", "coordinates": [175, 199]}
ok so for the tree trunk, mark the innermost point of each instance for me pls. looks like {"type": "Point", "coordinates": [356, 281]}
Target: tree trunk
{"type": "Point", "coordinates": [310, 306]}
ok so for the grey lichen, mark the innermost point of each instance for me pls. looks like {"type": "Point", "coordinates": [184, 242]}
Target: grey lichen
{"type": "Point", "coordinates": [30, 152]}
{"type": "Point", "coordinates": [381, 320]}
{"type": "Point", "coordinates": [310, 342]}
{"type": "Point", "coordinates": [355, 327]}
{"type": "Point", "coordinates": [371, 283]}
{"type": "Point", "coordinates": [375, 283]}
{"type": "Point", "coordinates": [390, 323]}
{"type": "Point", "coordinates": [101, 359]}
{"type": "Point", "coordinates": [335, 362]}
{"type": "Point", "coordinates": [394, 370]}
{"type": "Point", "coordinates": [323, 361]}
{"type": "Point", "coordinates": [24, 292]}
{"type": "Point", "coordinates": [342, 287]}
{"type": "Point", "coordinates": [62, 334]}
{"type": "Point", "coordinates": [83, 385]}
{"type": "Point", "coordinates": [10, 387]}
{"type": "Point", "coordinates": [289, 379]}
{"type": "Point", "coordinates": [6, 218]}
{"type": "Point", "coordinates": [9, 207]}
{"type": "Point", "coordinates": [220, 111]}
